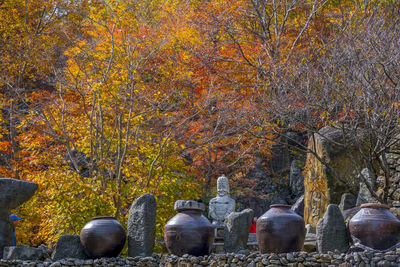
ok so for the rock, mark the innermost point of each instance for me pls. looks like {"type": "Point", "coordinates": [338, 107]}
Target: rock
{"type": "Point", "coordinates": [310, 241]}
{"type": "Point", "coordinates": [296, 179]}
{"type": "Point", "coordinates": [332, 231]}
{"type": "Point", "coordinates": [237, 226]}
{"type": "Point", "coordinates": [12, 194]}
{"type": "Point", "coordinates": [23, 252]}
{"type": "Point", "coordinates": [69, 246]}
{"type": "Point", "coordinates": [258, 205]}
{"type": "Point", "coordinates": [298, 207]}
{"type": "Point", "coordinates": [348, 214]}
{"type": "Point", "coordinates": [142, 226]}
{"type": "Point", "coordinates": [341, 159]}
{"type": "Point", "coordinates": [277, 193]}
{"type": "Point", "coordinates": [347, 201]}
{"type": "Point", "coordinates": [364, 195]}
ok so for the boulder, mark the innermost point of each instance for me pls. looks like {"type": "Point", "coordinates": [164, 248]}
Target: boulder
{"type": "Point", "coordinates": [236, 231]}
{"type": "Point", "coordinates": [142, 226]}
{"type": "Point", "coordinates": [23, 252]}
{"type": "Point", "coordinates": [12, 194]}
{"type": "Point", "coordinates": [298, 207]}
{"type": "Point", "coordinates": [296, 179]}
{"type": "Point", "coordinates": [69, 246]}
{"type": "Point", "coordinates": [364, 195]}
{"type": "Point", "coordinates": [332, 232]}
{"type": "Point", "coordinates": [321, 183]}
{"type": "Point", "coordinates": [349, 213]}
{"type": "Point", "coordinates": [347, 201]}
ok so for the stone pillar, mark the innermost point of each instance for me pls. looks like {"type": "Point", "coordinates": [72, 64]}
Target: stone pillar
{"type": "Point", "coordinates": [321, 185]}
{"type": "Point", "coordinates": [142, 226]}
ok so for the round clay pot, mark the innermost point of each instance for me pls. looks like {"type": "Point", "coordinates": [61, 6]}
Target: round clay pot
{"type": "Point", "coordinates": [375, 226]}
{"type": "Point", "coordinates": [280, 230]}
{"type": "Point", "coordinates": [103, 237]}
{"type": "Point", "coordinates": [189, 232]}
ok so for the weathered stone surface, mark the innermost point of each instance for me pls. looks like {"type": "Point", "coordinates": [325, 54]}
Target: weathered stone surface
{"type": "Point", "coordinates": [296, 179]}
{"type": "Point", "coordinates": [242, 259]}
{"type": "Point", "coordinates": [12, 194]}
{"type": "Point", "coordinates": [347, 201]}
{"type": "Point", "coordinates": [23, 253]}
{"type": "Point", "coordinates": [237, 226]}
{"type": "Point", "coordinates": [258, 205]}
{"type": "Point", "coordinates": [310, 242]}
{"type": "Point", "coordinates": [341, 159]}
{"type": "Point", "coordinates": [364, 195]}
{"type": "Point", "coordinates": [349, 213]}
{"type": "Point", "coordinates": [332, 231]}
{"type": "Point", "coordinates": [221, 205]}
{"type": "Point", "coordinates": [277, 193]}
{"type": "Point", "coordinates": [69, 246]}
{"type": "Point", "coordinates": [142, 226]}
{"type": "Point", "coordinates": [298, 207]}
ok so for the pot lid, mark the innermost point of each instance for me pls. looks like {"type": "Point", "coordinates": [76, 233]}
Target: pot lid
{"type": "Point", "coordinates": [181, 205]}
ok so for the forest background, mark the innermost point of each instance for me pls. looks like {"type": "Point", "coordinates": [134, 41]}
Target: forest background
{"type": "Point", "coordinates": [102, 101]}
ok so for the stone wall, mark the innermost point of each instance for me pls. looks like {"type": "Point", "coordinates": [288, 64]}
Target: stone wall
{"type": "Point", "coordinates": [393, 159]}
{"type": "Point", "coordinates": [298, 259]}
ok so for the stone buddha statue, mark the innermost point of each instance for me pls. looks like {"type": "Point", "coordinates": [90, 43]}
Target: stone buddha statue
{"type": "Point", "coordinates": [222, 205]}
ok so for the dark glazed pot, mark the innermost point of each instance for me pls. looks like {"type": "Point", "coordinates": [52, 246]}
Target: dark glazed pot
{"type": "Point", "coordinates": [103, 237]}
{"type": "Point", "coordinates": [189, 232]}
{"type": "Point", "coordinates": [280, 230]}
{"type": "Point", "coordinates": [375, 226]}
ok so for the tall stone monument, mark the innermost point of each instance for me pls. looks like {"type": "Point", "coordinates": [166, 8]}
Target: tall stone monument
{"type": "Point", "coordinates": [321, 183]}
{"type": "Point", "coordinates": [12, 194]}
{"type": "Point", "coordinates": [219, 208]}
{"type": "Point", "coordinates": [142, 226]}
{"type": "Point", "coordinates": [222, 205]}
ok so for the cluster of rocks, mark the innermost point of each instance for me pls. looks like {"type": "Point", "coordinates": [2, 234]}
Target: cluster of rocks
{"type": "Point", "coordinates": [393, 161]}
{"type": "Point", "coordinates": [300, 259]}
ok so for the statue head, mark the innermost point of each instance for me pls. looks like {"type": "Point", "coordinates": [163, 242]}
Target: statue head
{"type": "Point", "coordinates": [222, 186]}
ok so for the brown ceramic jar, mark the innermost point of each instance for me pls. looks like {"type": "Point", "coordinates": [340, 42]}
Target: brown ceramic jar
{"type": "Point", "coordinates": [189, 232]}
{"type": "Point", "coordinates": [103, 237]}
{"type": "Point", "coordinates": [375, 226]}
{"type": "Point", "coordinates": [280, 230]}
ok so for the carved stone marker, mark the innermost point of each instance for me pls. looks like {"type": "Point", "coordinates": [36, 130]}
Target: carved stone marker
{"type": "Point", "coordinates": [332, 231]}
{"type": "Point", "coordinates": [237, 226]}
{"type": "Point", "coordinates": [222, 205]}
{"type": "Point", "coordinates": [321, 183]}
{"type": "Point", "coordinates": [12, 194]}
{"type": "Point", "coordinates": [142, 226]}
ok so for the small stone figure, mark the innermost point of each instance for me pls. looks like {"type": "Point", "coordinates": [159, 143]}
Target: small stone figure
{"type": "Point", "coordinates": [222, 205]}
